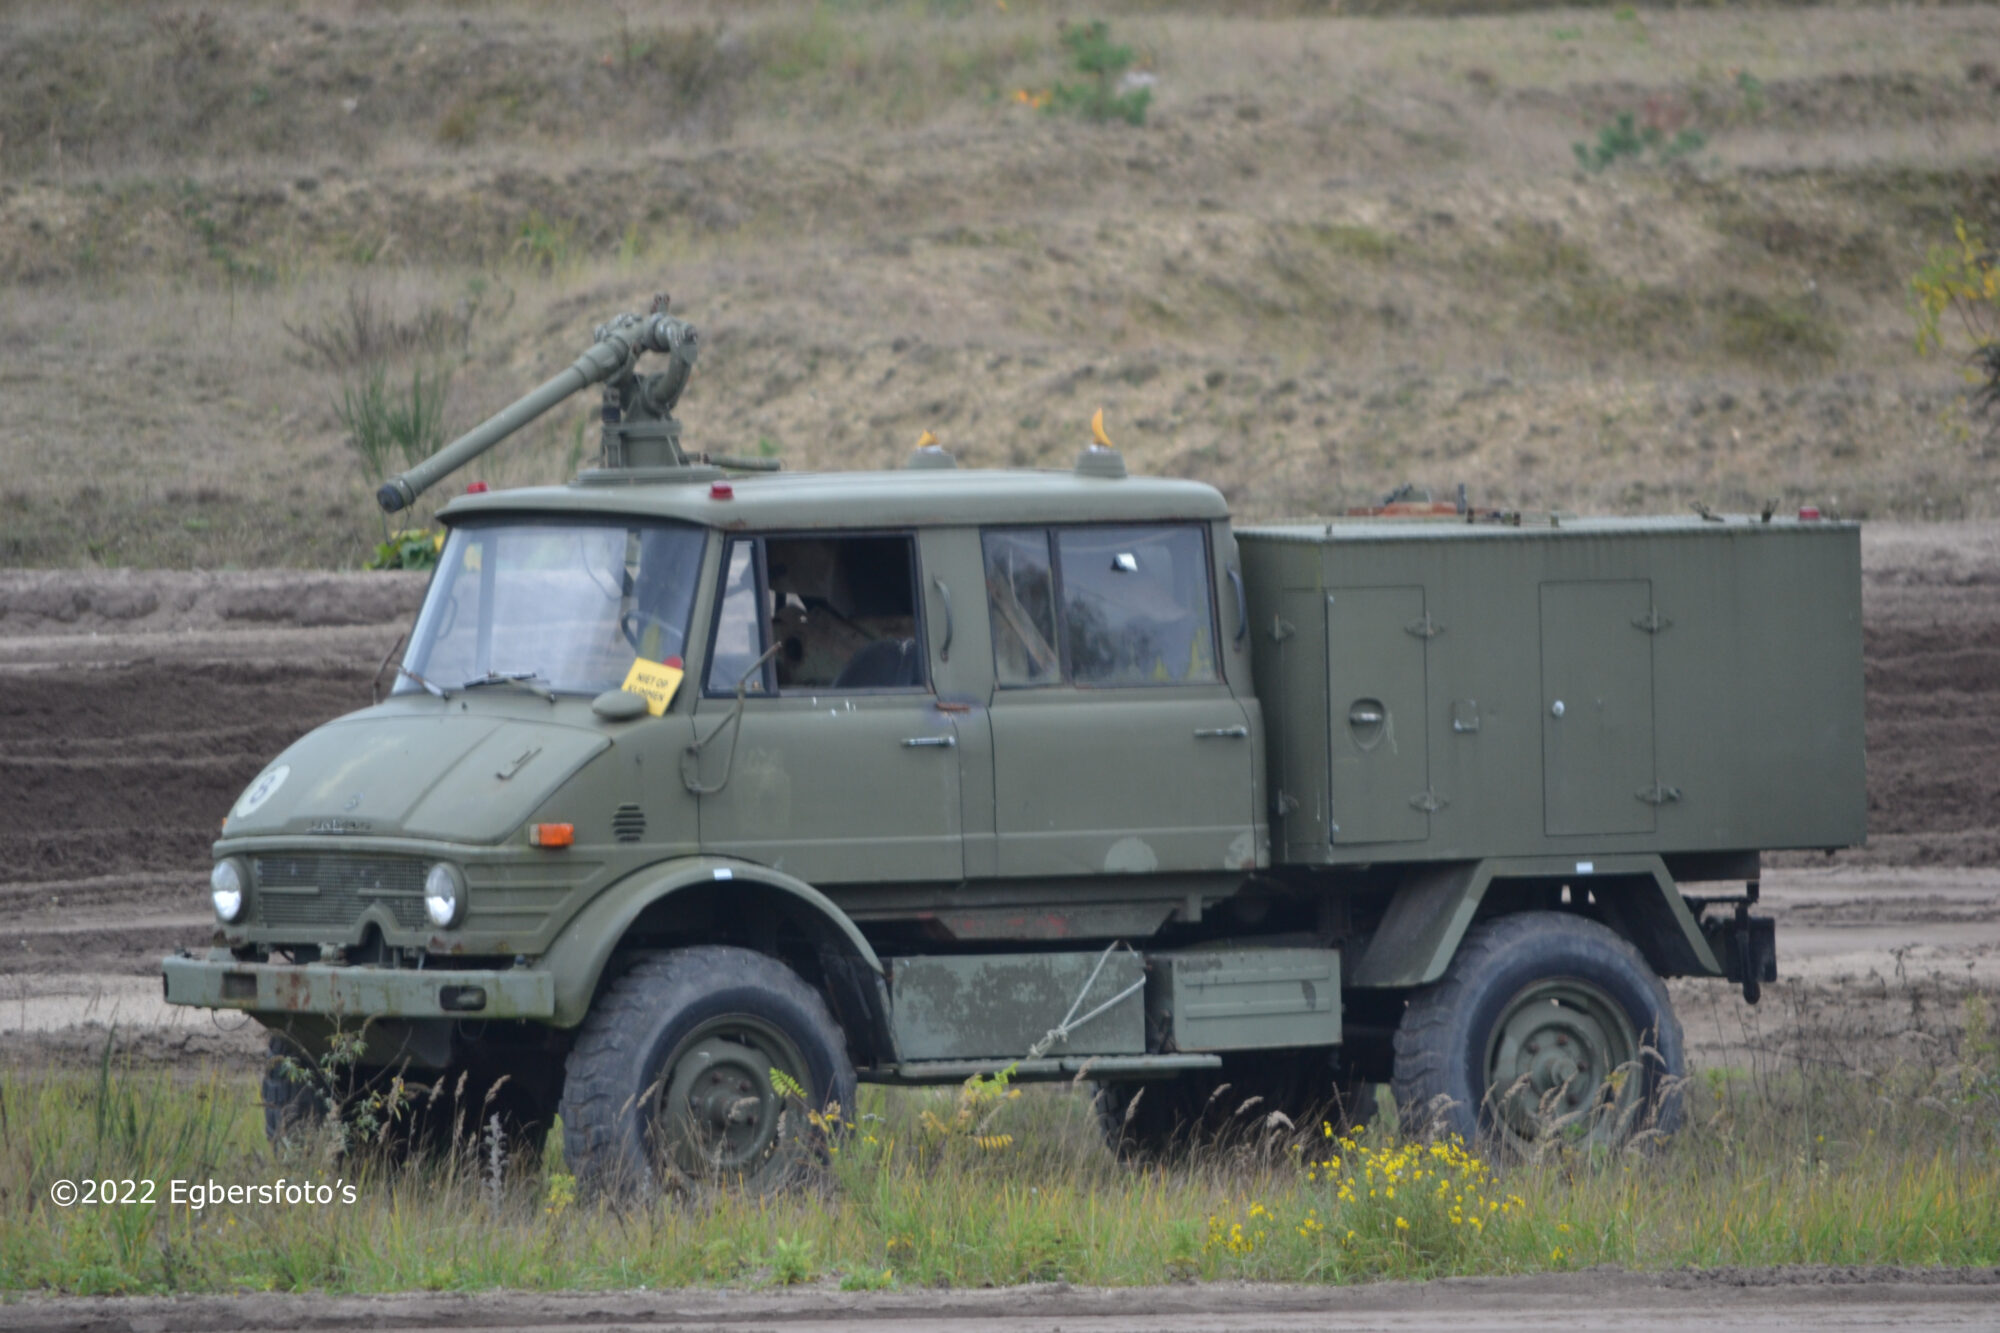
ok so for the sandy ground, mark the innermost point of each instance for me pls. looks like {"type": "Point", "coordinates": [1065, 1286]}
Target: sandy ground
{"type": "Point", "coordinates": [134, 707]}
{"type": "Point", "coordinates": [1768, 1299]}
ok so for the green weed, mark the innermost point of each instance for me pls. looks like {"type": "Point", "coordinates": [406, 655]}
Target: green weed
{"type": "Point", "coordinates": [1624, 138]}
{"type": "Point", "coordinates": [548, 244]}
{"type": "Point", "coordinates": [1101, 95]}
{"type": "Point", "coordinates": [390, 428]}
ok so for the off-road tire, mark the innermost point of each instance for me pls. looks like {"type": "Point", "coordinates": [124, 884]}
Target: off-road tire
{"type": "Point", "coordinates": [1442, 1044]}
{"type": "Point", "coordinates": [619, 1064]}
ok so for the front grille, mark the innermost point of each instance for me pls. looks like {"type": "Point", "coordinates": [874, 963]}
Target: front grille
{"type": "Point", "coordinates": [319, 889]}
{"type": "Point", "coordinates": [628, 823]}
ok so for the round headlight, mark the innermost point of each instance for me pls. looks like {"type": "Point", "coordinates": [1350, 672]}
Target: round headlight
{"type": "Point", "coordinates": [225, 886]}
{"type": "Point", "coordinates": [444, 896]}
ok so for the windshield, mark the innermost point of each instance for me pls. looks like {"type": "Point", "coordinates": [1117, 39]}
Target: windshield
{"type": "Point", "coordinates": [563, 603]}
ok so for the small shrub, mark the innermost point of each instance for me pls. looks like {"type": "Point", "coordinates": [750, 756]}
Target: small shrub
{"type": "Point", "coordinates": [1625, 138]}
{"type": "Point", "coordinates": [1102, 96]}
{"type": "Point", "coordinates": [385, 428]}
{"type": "Point", "coordinates": [548, 244]}
{"type": "Point", "coordinates": [364, 332]}
{"type": "Point", "coordinates": [411, 548]}
{"type": "Point", "coordinates": [1963, 280]}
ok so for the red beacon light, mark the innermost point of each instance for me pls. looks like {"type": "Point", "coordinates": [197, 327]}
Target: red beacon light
{"type": "Point", "coordinates": [721, 490]}
{"type": "Point", "coordinates": [475, 488]}
{"type": "Point", "coordinates": [1808, 513]}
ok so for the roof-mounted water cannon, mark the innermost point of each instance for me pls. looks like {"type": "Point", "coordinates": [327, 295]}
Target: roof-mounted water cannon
{"type": "Point", "coordinates": [640, 431]}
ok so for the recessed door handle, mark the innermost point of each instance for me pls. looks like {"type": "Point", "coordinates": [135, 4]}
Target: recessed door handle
{"type": "Point", "coordinates": [918, 742]}
{"type": "Point", "coordinates": [1222, 733]}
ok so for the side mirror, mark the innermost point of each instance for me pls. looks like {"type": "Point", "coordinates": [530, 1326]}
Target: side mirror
{"type": "Point", "coordinates": [619, 705]}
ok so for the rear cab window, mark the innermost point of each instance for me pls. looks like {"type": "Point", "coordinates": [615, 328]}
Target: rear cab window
{"type": "Point", "coordinates": [1101, 605]}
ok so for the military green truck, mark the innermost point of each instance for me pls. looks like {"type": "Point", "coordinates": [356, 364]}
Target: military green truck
{"type": "Point", "coordinates": [703, 793]}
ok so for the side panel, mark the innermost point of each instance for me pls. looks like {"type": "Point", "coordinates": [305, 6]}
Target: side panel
{"type": "Point", "coordinates": [1377, 737]}
{"type": "Point", "coordinates": [1247, 999]}
{"type": "Point", "coordinates": [967, 1007]}
{"type": "Point", "coordinates": [1597, 708]}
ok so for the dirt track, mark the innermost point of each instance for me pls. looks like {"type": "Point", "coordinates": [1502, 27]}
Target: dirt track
{"type": "Point", "coordinates": [134, 708]}
{"type": "Point", "coordinates": [1767, 1299]}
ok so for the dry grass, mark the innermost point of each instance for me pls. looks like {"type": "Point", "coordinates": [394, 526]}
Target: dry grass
{"type": "Point", "coordinates": [1343, 253]}
{"type": "Point", "coordinates": [1785, 1159]}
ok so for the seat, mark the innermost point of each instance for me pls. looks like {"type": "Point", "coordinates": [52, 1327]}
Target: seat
{"type": "Point", "coordinates": [885, 664]}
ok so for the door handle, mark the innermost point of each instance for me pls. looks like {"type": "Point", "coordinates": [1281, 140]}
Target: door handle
{"type": "Point", "coordinates": [1222, 733]}
{"type": "Point", "coordinates": [919, 742]}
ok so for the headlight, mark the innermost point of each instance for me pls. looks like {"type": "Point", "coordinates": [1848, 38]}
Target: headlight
{"type": "Point", "coordinates": [444, 896]}
{"type": "Point", "coordinates": [225, 886]}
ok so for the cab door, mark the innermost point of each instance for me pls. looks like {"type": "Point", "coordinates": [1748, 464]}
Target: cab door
{"type": "Point", "coordinates": [1117, 745]}
{"type": "Point", "coordinates": [841, 768]}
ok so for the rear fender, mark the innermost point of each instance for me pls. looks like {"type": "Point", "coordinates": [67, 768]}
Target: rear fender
{"type": "Point", "coordinates": [586, 946]}
{"type": "Point", "coordinates": [1435, 905]}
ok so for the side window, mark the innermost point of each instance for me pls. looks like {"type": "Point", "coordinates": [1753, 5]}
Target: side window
{"type": "Point", "coordinates": [739, 628]}
{"type": "Point", "coordinates": [844, 613]}
{"type": "Point", "coordinates": [1135, 605]}
{"type": "Point", "coordinates": [1020, 595]}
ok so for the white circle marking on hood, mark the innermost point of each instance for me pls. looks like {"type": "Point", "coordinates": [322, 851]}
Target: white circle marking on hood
{"type": "Point", "coordinates": [262, 790]}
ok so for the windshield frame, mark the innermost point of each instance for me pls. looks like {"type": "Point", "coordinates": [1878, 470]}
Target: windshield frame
{"type": "Point", "coordinates": [422, 643]}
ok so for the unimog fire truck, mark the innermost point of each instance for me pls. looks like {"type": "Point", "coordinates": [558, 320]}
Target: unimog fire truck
{"type": "Point", "coordinates": [705, 792]}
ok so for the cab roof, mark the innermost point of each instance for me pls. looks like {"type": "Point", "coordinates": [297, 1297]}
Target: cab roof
{"type": "Point", "coordinates": [918, 497]}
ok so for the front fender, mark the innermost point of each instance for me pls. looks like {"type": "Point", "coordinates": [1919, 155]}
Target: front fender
{"type": "Point", "coordinates": [581, 952]}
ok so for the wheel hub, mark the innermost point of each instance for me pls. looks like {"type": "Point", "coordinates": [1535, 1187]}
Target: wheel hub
{"type": "Point", "coordinates": [1552, 1057]}
{"type": "Point", "coordinates": [720, 1112]}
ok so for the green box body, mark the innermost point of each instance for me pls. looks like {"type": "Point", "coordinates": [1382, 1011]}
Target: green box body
{"type": "Point", "coordinates": [1445, 690]}
{"type": "Point", "coordinates": [1246, 999]}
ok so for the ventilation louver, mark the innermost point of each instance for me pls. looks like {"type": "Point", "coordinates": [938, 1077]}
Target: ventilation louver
{"type": "Point", "coordinates": [628, 823]}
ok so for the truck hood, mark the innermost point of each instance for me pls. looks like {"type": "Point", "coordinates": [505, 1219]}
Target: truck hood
{"type": "Point", "coordinates": [458, 777]}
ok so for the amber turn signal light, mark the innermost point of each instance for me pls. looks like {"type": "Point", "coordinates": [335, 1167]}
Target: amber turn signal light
{"type": "Point", "coordinates": [551, 835]}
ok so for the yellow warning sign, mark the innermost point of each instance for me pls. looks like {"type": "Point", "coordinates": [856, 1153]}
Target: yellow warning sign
{"type": "Point", "coordinates": [656, 681]}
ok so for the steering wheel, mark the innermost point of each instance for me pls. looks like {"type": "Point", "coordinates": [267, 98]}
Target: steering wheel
{"type": "Point", "coordinates": [633, 625]}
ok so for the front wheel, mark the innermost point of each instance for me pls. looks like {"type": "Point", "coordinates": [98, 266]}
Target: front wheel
{"type": "Point", "coordinates": [1545, 1027]}
{"type": "Point", "coordinates": [700, 1066]}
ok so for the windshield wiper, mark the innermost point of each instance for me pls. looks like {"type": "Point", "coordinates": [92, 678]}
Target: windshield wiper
{"type": "Point", "coordinates": [439, 691]}
{"type": "Point", "coordinates": [519, 678]}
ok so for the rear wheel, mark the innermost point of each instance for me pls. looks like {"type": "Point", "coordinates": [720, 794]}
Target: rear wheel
{"type": "Point", "coordinates": [699, 1067]}
{"type": "Point", "coordinates": [1546, 1026]}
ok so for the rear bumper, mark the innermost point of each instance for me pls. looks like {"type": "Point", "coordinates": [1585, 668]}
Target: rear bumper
{"type": "Point", "coordinates": [357, 992]}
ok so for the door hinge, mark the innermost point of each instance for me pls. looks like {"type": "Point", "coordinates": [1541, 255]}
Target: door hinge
{"type": "Point", "coordinates": [1282, 629]}
{"type": "Point", "coordinates": [1424, 627]}
{"type": "Point", "coordinates": [1652, 622]}
{"type": "Point", "coordinates": [1429, 801]}
{"type": "Point", "coordinates": [1659, 794]}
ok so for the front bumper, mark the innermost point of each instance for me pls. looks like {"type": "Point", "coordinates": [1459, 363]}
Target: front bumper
{"type": "Point", "coordinates": [357, 992]}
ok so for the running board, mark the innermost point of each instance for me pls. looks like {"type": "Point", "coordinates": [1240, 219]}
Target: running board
{"type": "Point", "coordinates": [1041, 1071]}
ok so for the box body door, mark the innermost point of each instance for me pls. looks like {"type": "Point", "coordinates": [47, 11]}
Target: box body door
{"type": "Point", "coordinates": [1597, 707]}
{"type": "Point", "coordinates": [1377, 739]}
